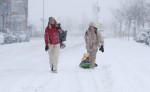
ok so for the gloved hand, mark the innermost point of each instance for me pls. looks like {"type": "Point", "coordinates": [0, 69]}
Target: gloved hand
{"type": "Point", "coordinates": [101, 48]}
{"type": "Point", "coordinates": [46, 47]}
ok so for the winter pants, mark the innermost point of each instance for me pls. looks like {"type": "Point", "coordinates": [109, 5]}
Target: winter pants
{"type": "Point", "coordinates": [53, 52]}
{"type": "Point", "coordinates": [92, 58]}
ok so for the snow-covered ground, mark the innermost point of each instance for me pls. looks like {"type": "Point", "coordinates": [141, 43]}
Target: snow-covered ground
{"type": "Point", "coordinates": [123, 67]}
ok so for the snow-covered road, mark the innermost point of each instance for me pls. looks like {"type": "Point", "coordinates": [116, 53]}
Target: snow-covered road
{"type": "Point", "coordinates": [123, 67]}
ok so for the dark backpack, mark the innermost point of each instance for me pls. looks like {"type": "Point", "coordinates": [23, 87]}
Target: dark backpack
{"type": "Point", "coordinates": [94, 30]}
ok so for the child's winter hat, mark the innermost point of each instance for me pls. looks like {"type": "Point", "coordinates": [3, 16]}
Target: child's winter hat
{"type": "Point", "coordinates": [92, 24]}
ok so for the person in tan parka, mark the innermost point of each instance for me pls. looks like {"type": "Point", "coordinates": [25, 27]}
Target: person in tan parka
{"type": "Point", "coordinates": [92, 39]}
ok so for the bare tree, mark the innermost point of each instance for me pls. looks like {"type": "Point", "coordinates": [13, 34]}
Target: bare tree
{"type": "Point", "coordinates": [119, 16]}
{"type": "Point", "coordinates": [133, 10]}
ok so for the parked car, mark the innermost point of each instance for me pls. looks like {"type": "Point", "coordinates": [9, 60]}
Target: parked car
{"type": "Point", "coordinates": [10, 38]}
{"type": "Point", "coordinates": [147, 42]}
{"type": "Point", "coordinates": [141, 37]}
{"type": "Point", "coordinates": [20, 35]}
{"type": "Point", "coordinates": [147, 31]}
{"type": "Point", "coordinates": [2, 37]}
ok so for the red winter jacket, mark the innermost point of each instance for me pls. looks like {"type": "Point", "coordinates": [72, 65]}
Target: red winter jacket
{"type": "Point", "coordinates": [51, 35]}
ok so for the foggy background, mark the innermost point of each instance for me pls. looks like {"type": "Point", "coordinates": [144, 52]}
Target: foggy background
{"type": "Point", "coordinates": [123, 67]}
{"type": "Point", "coordinates": [72, 14]}
{"type": "Point", "coordinates": [115, 18]}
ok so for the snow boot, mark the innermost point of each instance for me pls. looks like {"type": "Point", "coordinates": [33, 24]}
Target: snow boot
{"type": "Point", "coordinates": [54, 71]}
{"type": "Point", "coordinates": [52, 68]}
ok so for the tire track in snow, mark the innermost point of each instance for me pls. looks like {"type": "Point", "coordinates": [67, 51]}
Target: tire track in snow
{"type": "Point", "coordinates": [106, 79]}
{"type": "Point", "coordinates": [62, 72]}
{"type": "Point", "coordinates": [130, 74]}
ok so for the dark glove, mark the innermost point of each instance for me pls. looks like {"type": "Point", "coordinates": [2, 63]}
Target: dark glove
{"type": "Point", "coordinates": [46, 47]}
{"type": "Point", "coordinates": [101, 48]}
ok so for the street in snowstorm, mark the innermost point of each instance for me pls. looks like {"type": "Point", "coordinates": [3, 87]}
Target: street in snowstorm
{"type": "Point", "coordinates": [74, 45]}
{"type": "Point", "coordinates": [25, 68]}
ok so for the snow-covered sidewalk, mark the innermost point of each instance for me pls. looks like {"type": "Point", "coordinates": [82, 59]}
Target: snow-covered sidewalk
{"type": "Point", "coordinates": [123, 67]}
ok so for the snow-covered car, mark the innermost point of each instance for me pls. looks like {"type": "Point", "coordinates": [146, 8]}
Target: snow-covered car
{"type": "Point", "coordinates": [145, 32]}
{"type": "Point", "coordinates": [10, 38]}
{"type": "Point", "coordinates": [20, 35]}
{"type": "Point", "coordinates": [141, 37]}
{"type": "Point", "coordinates": [2, 38]}
{"type": "Point", "coordinates": [147, 42]}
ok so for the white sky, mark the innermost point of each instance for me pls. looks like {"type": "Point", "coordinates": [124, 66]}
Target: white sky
{"type": "Point", "coordinates": [69, 8]}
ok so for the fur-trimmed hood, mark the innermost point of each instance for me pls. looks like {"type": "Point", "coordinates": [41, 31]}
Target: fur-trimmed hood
{"type": "Point", "coordinates": [49, 23]}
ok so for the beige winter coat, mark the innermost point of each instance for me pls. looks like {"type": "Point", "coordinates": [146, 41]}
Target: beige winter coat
{"type": "Point", "coordinates": [92, 40]}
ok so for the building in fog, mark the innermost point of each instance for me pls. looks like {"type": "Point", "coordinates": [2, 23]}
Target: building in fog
{"type": "Point", "coordinates": [14, 14]}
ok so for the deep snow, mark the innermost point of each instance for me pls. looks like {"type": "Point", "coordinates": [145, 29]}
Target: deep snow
{"type": "Point", "coordinates": [123, 67]}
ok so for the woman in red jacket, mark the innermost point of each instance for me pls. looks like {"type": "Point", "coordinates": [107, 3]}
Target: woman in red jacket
{"type": "Point", "coordinates": [52, 43]}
